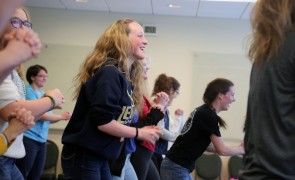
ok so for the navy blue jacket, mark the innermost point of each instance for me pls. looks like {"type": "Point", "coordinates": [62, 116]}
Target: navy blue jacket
{"type": "Point", "coordinates": [104, 97]}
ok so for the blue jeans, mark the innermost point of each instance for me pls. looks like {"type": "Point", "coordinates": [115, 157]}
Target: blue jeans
{"type": "Point", "coordinates": [173, 171]}
{"type": "Point", "coordinates": [128, 171]}
{"type": "Point", "coordinates": [81, 164]}
{"type": "Point", "coordinates": [8, 169]}
{"type": "Point", "coordinates": [32, 165]}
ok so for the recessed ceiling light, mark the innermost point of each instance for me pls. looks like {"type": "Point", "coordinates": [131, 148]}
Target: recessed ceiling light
{"type": "Point", "coordinates": [81, 1]}
{"type": "Point", "coordinates": [174, 5]}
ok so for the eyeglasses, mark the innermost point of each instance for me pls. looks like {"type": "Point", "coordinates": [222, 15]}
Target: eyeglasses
{"type": "Point", "coordinates": [176, 92]}
{"type": "Point", "coordinates": [42, 76]}
{"type": "Point", "coordinates": [17, 23]}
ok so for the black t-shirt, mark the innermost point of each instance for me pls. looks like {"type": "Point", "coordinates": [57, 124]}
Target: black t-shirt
{"type": "Point", "coordinates": [195, 137]}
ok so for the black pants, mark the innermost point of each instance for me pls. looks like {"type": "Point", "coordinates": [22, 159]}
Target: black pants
{"type": "Point", "coordinates": [157, 159]}
{"type": "Point", "coordinates": [143, 164]}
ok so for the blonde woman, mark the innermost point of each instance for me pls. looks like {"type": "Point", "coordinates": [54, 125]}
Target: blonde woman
{"type": "Point", "coordinates": [107, 91]}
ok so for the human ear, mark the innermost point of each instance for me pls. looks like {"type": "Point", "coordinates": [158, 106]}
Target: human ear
{"type": "Point", "coordinates": [220, 96]}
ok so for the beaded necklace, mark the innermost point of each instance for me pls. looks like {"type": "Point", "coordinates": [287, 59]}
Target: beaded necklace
{"type": "Point", "coordinates": [24, 88]}
{"type": "Point", "coordinates": [19, 84]}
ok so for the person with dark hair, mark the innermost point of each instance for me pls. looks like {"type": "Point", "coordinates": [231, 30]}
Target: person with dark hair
{"type": "Point", "coordinates": [31, 166]}
{"type": "Point", "coordinates": [33, 71]}
{"type": "Point", "coordinates": [270, 120]}
{"type": "Point", "coordinates": [170, 86]}
{"type": "Point", "coordinates": [201, 133]}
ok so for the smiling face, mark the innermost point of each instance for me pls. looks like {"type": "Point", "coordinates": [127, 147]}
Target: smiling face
{"type": "Point", "coordinates": [138, 40]}
{"type": "Point", "coordinates": [227, 98]}
{"type": "Point", "coordinates": [40, 79]}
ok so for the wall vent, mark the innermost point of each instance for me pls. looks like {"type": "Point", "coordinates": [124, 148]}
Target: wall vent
{"type": "Point", "coordinates": [150, 29]}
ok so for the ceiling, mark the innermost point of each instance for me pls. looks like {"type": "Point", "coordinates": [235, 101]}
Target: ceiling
{"type": "Point", "coordinates": [192, 8]}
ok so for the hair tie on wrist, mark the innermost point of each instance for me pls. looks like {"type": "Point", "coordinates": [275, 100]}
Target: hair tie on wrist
{"type": "Point", "coordinates": [6, 139]}
{"type": "Point", "coordinates": [52, 101]}
{"type": "Point", "coordinates": [136, 135]}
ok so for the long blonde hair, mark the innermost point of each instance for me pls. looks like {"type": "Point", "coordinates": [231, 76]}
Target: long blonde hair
{"type": "Point", "coordinates": [143, 86]}
{"type": "Point", "coordinates": [113, 44]}
{"type": "Point", "coordinates": [271, 21]}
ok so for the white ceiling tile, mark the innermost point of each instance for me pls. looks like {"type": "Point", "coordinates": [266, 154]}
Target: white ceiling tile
{"type": "Point", "coordinates": [218, 9]}
{"type": "Point", "coordinates": [44, 3]}
{"type": "Point", "coordinates": [91, 5]}
{"type": "Point", "coordinates": [187, 7]}
{"type": "Point", "coordinates": [130, 6]}
{"type": "Point", "coordinates": [199, 8]}
{"type": "Point", "coordinates": [247, 12]}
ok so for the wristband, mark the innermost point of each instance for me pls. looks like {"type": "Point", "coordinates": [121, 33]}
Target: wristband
{"type": "Point", "coordinates": [136, 135]}
{"type": "Point", "coordinates": [52, 101]}
{"type": "Point", "coordinates": [6, 139]}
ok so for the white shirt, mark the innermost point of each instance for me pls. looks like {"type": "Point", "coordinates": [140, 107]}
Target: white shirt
{"type": "Point", "coordinates": [12, 90]}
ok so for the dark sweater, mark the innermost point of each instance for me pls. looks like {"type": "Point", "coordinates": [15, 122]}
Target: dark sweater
{"type": "Point", "coordinates": [104, 97]}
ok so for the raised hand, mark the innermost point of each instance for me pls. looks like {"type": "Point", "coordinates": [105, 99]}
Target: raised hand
{"type": "Point", "coordinates": [161, 100]}
{"type": "Point", "coordinates": [24, 42]}
{"type": "Point", "coordinates": [178, 112]}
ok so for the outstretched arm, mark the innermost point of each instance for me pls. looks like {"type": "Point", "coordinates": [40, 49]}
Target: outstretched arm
{"type": "Point", "coordinates": [55, 117]}
{"type": "Point", "coordinates": [220, 148]}
{"type": "Point", "coordinates": [37, 107]}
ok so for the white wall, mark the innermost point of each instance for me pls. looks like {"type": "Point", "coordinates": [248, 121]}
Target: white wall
{"type": "Point", "coordinates": [172, 51]}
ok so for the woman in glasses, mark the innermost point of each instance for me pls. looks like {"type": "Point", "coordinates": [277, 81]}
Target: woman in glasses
{"type": "Point", "coordinates": [18, 38]}
{"type": "Point", "coordinates": [21, 119]}
{"type": "Point", "coordinates": [18, 23]}
{"type": "Point", "coordinates": [12, 95]}
{"type": "Point", "coordinates": [171, 86]}
{"type": "Point", "coordinates": [31, 166]}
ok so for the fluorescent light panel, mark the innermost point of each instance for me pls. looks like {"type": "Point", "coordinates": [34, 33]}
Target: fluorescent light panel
{"type": "Point", "coordinates": [174, 6]}
{"type": "Point", "coordinates": [81, 1]}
